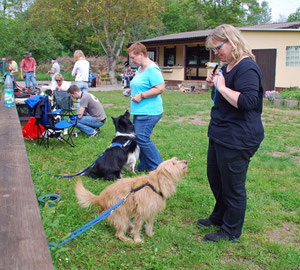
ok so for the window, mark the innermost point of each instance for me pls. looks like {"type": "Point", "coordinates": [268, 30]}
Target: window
{"type": "Point", "coordinates": [292, 56]}
{"type": "Point", "coordinates": [151, 55]}
{"type": "Point", "coordinates": [197, 56]}
{"type": "Point", "coordinates": [169, 56]}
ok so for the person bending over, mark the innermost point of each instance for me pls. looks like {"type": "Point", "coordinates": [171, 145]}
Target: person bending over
{"type": "Point", "coordinates": [91, 113]}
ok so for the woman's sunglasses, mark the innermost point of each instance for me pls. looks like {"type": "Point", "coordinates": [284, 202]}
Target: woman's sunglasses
{"type": "Point", "coordinates": [218, 47]}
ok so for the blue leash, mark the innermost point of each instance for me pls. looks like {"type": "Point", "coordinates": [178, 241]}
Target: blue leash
{"type": "Point", "coordinates": [88, 225]}
{"type": "Point", "coordinates": [102, 216]}
{"type": "Point", "coordinates": [214, 98]}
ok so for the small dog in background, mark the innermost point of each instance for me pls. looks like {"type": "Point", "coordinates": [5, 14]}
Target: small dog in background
{"type": "Point", "coordinates": [124, 151]}
{"type": "Point", "coordinates": [142, 204]}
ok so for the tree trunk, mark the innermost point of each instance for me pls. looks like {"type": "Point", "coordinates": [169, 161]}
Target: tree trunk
{"type": "Point", "coordinates": [112, 62]}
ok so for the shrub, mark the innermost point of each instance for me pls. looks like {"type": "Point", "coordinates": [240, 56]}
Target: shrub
{"type": "Point", "coordinates": [290, 94]}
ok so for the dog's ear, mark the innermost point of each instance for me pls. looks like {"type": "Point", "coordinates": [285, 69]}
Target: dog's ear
{"type": "Point", "coordinates": [127, 114]}
{"type": "Point", "coordinates": [164, 179]}
{"type": "Point", "coordinates": [115, 120]}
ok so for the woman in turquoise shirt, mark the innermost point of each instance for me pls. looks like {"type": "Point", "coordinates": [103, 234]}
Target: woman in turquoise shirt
{"type": "Point", "coordinates": [146, 104]}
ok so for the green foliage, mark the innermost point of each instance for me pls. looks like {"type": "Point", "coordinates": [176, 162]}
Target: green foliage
{"type": "Point", "coordinates": [294, 16]}
{"type": "Point", "coordinates": [290, 94]}
{"type": "Point", "coordinates": [175, 20]}
{"type": "Point", "coordinates": [18, 37]}
{"type": "Point", "coordinates": [272, 191]}
{"type": "Point", "coordinates": [235, 12]}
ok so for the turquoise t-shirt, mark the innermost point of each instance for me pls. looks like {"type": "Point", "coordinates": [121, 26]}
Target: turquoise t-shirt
{"type": "Point", "coordinates": [143, 82]}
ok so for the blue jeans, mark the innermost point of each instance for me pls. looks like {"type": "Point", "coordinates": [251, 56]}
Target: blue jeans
{"type": "Point", "coordinates": [30, 77]}
{"type": "Point", "coordinates": [83, 86]}
{"type": "Point", "coordinates": [88, 124]}
{"type": "Point", "coordinates": [149, 155]}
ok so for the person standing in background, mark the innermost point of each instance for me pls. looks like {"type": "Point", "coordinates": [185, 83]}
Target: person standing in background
{"type": "Point", "coordinates": [13, 68]}
{"type": "Point", "coordinates": [55, 69]}
{"type": "Point", "coordinates": [28, 65]}
{"type": "Point", "coordinates": [81, 71]}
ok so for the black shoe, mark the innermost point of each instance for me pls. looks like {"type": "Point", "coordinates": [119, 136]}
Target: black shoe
{"type": "Point", "coordinates": [219, 236]}
{"type": "Point", "coordinates": [206, 223]}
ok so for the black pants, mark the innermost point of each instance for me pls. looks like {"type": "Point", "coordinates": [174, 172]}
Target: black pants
{"type": "Point", "coordinates": [226, 172]}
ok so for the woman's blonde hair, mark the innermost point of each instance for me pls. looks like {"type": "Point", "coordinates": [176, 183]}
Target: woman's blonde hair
{"type": "Point", "coordinates": [228, 33]}
{"type": "Point", "coordinates": [78, 54]}
{"type": "Point", "coordinates": [137, 48]}
{"type": "Point", "coordinates": [58, 77]}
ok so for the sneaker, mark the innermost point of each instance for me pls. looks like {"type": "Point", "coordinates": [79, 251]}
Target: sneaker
{"type": "Point", "coordinates": [219, 236]}
{"type": "Point", "coordinates": [94, 133]}
{"type": "Point", "coordinates": [206, 223]}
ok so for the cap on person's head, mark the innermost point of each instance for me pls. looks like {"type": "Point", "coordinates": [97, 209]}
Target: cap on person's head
{"type": "Point", "coordinates": [53, 58]}
{"type": "Point", "coordinates": [27, 54]}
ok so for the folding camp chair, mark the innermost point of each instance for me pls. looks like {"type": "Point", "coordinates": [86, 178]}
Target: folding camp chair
{"type": "Point", "coordinates": [63, 100]}
{"type": "Point", "coordinates": [55, 126]}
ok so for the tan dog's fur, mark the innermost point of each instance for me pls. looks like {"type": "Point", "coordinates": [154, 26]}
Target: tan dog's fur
{"type": "Point", "coordinates": [143, 205]}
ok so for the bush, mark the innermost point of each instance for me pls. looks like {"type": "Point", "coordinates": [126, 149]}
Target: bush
{"type": "Point", "coordinates": [293, 93]}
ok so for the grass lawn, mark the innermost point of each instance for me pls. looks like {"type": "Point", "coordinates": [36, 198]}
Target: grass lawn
{"type": "Point", "coordinates": [270, 238]}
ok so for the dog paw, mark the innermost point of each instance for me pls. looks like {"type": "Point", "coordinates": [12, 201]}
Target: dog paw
{"type": "Point", "coordinates": [124, 238]}
{"type": "Point", "coordinates": [151, 234]}
{"type": "Point", "coordinates": [138, 240]}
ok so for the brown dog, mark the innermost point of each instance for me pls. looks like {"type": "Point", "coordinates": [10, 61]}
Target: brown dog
{"type": "Point", "coordinates": [141, 204]}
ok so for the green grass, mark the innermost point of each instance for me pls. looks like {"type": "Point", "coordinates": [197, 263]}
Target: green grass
{"type": "Point", "coordinates": [270, 237]}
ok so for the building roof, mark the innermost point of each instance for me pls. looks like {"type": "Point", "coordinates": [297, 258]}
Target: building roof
{"type": "Point", "coordinates": [200, 35]}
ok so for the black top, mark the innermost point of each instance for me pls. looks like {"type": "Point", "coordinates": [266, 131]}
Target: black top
{"type": "Point", "coordinates": [239, 128]}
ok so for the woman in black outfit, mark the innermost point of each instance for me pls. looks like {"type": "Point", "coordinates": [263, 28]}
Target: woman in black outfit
{"type": "Point", "coordinates": [235, 130]}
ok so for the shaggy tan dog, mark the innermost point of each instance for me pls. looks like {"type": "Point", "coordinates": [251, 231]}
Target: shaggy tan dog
{"type": "Point", "coordinates": [142, 205]}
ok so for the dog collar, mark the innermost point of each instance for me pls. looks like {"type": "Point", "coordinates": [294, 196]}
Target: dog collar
{"type": "Point", "coordinates": [115, 144]}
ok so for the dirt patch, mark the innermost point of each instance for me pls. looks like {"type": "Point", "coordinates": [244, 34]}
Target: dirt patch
{"type": "Point", "coordinates": [197, 119]}
{"type": "Point", "coordinates": [293, 149]}
{"type": "Point", "coordinates": [287, 234]}
{"type": "Point", "coordinates": [289, 155]}
{"type": "Point", "coordinates": [194, 120]}
{"type": "Point", "coordinates": [284, 111]}
{"type": "Point", "coordinates": [278, 154]}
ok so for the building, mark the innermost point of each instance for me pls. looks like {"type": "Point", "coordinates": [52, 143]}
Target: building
{"type": "Point", "coordinates": [182, 57]}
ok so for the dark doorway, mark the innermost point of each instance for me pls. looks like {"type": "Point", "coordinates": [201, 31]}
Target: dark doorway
{"type": "Point", "coordinates": [266, 60]}
{"type": "Point", "coordinates": [196, 57]}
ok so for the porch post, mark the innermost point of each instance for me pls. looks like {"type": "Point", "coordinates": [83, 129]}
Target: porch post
{"type": "Point", "coordinates": [157, 55]}
{"type": "Point", "coordinates": [184, 62]}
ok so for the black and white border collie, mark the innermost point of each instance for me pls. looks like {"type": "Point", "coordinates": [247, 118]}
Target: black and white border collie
{"type": "Point", "coordinates": [123, 152]}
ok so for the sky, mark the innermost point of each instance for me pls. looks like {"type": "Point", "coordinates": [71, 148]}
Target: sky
{"type": "Point", "coordinates": [282, 7]}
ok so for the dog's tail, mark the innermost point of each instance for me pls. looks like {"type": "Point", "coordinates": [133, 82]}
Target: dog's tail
{"type": "Point", "coordinates": [85, 197]}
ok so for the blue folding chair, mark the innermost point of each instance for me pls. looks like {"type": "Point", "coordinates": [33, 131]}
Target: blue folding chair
{"type": "Point", "coordinates": [53, 122]}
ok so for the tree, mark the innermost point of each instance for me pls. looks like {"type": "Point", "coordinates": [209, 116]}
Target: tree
{"type": "Point", "coordinates": [258, 14]}
{"type": "Point", "coordinates": [294, 17]}
{"type": "Point", "coordinates": [14, 7]}
{"type": "Point", "coordinates": [235, 12]}
{"type": "Point", "coordinates": [182, 16]}
{"type": "Point", "coordinates": [107, 21]}
{"type": "Point", "coordinates": [18, 37]}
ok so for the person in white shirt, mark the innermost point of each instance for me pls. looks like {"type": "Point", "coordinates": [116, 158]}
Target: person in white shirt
{"type": "Point", "coordinates": [60, 84]}
{"type": "Point", "coordinates": [81, 71]}
{"type": "Point", "coordinates": [55, 69]}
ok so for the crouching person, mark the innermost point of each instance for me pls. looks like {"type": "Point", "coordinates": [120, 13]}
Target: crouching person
{"type": "Point", "coordinates": [91, 115]}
